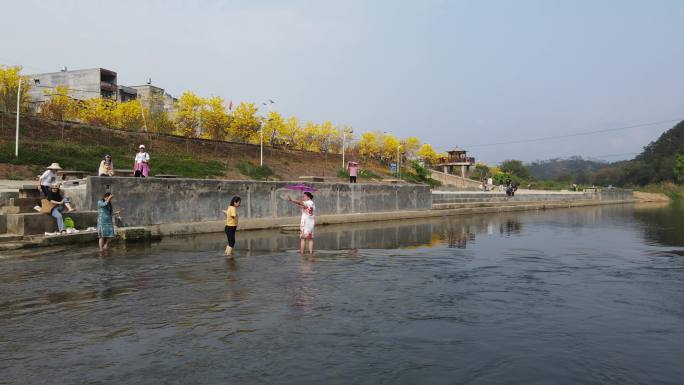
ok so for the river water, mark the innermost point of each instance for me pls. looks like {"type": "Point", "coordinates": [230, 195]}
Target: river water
{"type": "Point", "coordinates": [575, 296]}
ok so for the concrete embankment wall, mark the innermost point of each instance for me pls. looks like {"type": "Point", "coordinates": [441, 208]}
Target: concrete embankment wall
{"type": "Point", "coordinates": [154, 201]}
{"type": "Point", "coordinates": [609, 194]}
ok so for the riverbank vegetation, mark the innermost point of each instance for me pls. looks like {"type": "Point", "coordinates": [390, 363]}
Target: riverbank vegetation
{"type": "Point", "coordinates": [194, 116]}
{"type": "Point", "coordinates": [659, 168]}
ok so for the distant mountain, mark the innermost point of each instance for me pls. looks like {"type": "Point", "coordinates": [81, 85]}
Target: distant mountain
{"type": "Point", "coordinates": [573, 169]}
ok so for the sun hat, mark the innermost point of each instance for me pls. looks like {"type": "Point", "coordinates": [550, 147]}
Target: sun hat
{"type": "Point", "coordinates": [141, 146]}
{"type": "Point", "coordinates": [54, 166]}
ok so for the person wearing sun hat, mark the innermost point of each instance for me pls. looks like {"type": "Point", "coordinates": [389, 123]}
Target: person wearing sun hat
{"type": "Point", "coordinates": [48, 178]}
{"type": "Point", "coordinates": [142, 162]}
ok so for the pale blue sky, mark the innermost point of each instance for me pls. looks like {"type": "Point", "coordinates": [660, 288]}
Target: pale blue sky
{"type": "Point", "coordinates": [450, 72]}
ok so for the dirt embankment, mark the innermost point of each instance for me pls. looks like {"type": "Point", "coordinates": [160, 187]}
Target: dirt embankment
{"type": "Point", "coordinates": [286, 164]}
{"type": "Point", "coordinates": [650, 197]}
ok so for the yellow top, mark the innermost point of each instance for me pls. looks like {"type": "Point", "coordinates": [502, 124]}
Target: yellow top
{"type": "Point", "coordinates": [231, 213]}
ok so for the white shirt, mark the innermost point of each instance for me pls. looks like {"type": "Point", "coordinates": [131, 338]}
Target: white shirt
{"type": "Point", "coordinates": [104, 170]}
{"type": "Point", "coordinates": [142, 157]}
{"type": "Point", "coordinates": [48, 178]}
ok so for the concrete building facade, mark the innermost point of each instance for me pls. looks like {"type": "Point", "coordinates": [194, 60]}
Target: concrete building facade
{"type": "Point", "coordinates": [82, 84]}
{"type": "Point", "coordinates": [156, 98]}
{"type": "Point", "coordinates": [98, 82]}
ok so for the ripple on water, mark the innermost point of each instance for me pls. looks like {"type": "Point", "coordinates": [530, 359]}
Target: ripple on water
{"type": "Point", "coordinates": [538, 304]}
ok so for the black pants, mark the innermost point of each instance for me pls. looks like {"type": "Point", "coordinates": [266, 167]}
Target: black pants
{"type": "Point", "coordinates": [352, 179]}
{"type": "Point", "coordinates": [230, 233]}
{"type": "Point", "coordinates": [139, 174]}
{"type": "Point", "coordinates": [44, 189]}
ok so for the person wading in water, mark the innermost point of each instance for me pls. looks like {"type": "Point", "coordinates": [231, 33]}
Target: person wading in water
{"type": "Point", "coordinates": [307, 223]}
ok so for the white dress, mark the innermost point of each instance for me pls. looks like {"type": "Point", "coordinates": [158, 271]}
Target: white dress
{"type": "Point", "coordinates": [306, 225]}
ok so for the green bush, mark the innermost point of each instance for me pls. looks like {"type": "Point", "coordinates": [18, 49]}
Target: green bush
{"type": "Point", "coordinates": [419, 174]}
{"type": "Point", "coordinates": [253, 171]}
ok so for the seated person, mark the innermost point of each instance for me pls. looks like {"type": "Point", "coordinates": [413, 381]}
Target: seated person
{"type": "Point", "coordinates": [54, 196]}
{"type": "Point", "coordinates": [106, 166]}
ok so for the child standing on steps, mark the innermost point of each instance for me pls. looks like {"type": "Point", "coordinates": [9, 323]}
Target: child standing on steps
{"type": "Point", "coordinates": [231, 224]}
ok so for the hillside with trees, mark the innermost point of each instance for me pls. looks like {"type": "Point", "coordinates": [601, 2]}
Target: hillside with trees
{"type": "Point", "coordinates": [661, 161]}
{"type": "Point", "coordinates": [574, 169]}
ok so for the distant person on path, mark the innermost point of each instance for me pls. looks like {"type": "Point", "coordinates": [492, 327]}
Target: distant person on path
{"type": "Point", "coordinates": [353, 169]}
{"type": "Point", "coordinates": [105, 221]}
{"type": "Point", "coordinates": [512, 188]}
{"type": "Point", "coordinates": [54, 196]}
{"type": "Point", "coordinates": [231, 224]}
{"type": "Point", "coordinates": [106, 166]}
{"type": "Point", "coordinates": [142, 163]}
{"type": "Point", "coordinates": [307, 223]}
{"type": "Point", "coordinates": [48, 178]}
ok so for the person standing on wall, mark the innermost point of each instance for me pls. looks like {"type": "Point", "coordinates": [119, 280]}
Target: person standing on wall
{"type": "Point", "coordinates": [231, 224]}
{"type": "Point", "coordinates": [48, 178]}
{"type": "Point", "coordinates": [353, 169]}
{"type": "Point", "coordinates": [142, 163]}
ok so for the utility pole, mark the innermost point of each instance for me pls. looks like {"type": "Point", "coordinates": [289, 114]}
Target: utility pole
{"type": "Point", "coordinates": [398, 164]}
{"type": "Point", "coordinates": [344, 142]}
{"type": "Point", "coordinates": [16, 143]}
{"type": "Point", "coordinates": [142, 112]}
{"type": "Point", "coordinates": [261, 141]}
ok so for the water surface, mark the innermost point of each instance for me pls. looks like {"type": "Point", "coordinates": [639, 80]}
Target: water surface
{"type": "Point", "coordinates": [578, 296]}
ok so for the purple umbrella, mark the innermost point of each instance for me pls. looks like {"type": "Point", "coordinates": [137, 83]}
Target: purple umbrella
{"type": "Point", "coordinates": [301, 187]}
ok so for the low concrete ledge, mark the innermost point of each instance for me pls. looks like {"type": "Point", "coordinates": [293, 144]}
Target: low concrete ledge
{"type": "Point", "coordinates": [179, 229]}
{"type": "Point", "coordinates": [37, 223]}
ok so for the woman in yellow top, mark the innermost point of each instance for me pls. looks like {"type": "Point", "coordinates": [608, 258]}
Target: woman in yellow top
{"type": "Point", "coordinates": [231, 224]}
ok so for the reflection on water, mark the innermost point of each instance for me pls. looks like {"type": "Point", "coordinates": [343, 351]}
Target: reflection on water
{"type": "Point", "coordinates": [590, 295]}
{"type": "Point", "coordinates": [663, 224]}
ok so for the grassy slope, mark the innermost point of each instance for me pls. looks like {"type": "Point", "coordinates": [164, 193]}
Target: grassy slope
{"type": "Point", "coordinates": [82, 150]}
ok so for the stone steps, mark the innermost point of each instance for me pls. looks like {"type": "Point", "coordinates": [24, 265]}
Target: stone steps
{"type": "Point", "coordinates": [4, 238]}
{"type": "Point", "coordinates": [467, 200]}
{"type": "Point", "coordinates": [447, 206]}
{"type": "Point", "coordinates": [6, 195]}
{"type": "Point", "coordinates": [20, 205]}
{"type": "Point", "coordinates": [29, 192]}
{"type": "Point", "coordinates": [37, 223]}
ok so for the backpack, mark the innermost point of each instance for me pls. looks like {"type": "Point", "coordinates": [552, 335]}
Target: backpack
{"type": "Point", "coordinates": [69, 223]}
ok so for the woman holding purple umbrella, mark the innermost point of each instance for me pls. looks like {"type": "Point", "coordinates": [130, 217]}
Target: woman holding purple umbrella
{"type": "Point", "coordinates": [307, 222]}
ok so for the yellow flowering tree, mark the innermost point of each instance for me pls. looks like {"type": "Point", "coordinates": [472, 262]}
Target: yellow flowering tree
{"type": "Point", "coordinates": [10, 77]}
{"type": "Point", "coordinates": [188, 114]}
{"type": "Point", "coordinates": [215, 119]}
{"type": "Point", "coordinates": [98, 112]}
{"type": "Point", "coordinates": [428, 154]}
{"type": "Point", "coordinates": [274, 129]}
{"type": "Point", "coordinates": [368, 145]}
{"type": "Point", "coordinates": [245, 124]}
{"type": "Point", "coordinates": [389, 147]}
{"type": "Point", "coordinates": [59, 106]}
{"type": "Point", "coordinates": [128, 116]}
{"type": "Point", "coordinates": [291, 133]}
{"type": "Point", "coordinates": [411, 145]}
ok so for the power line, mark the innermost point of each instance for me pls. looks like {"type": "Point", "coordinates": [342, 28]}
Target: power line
{"type": "Point", "coordinates": [540, 139]}
{"type": "Point", "coordinates": [568, 157]}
